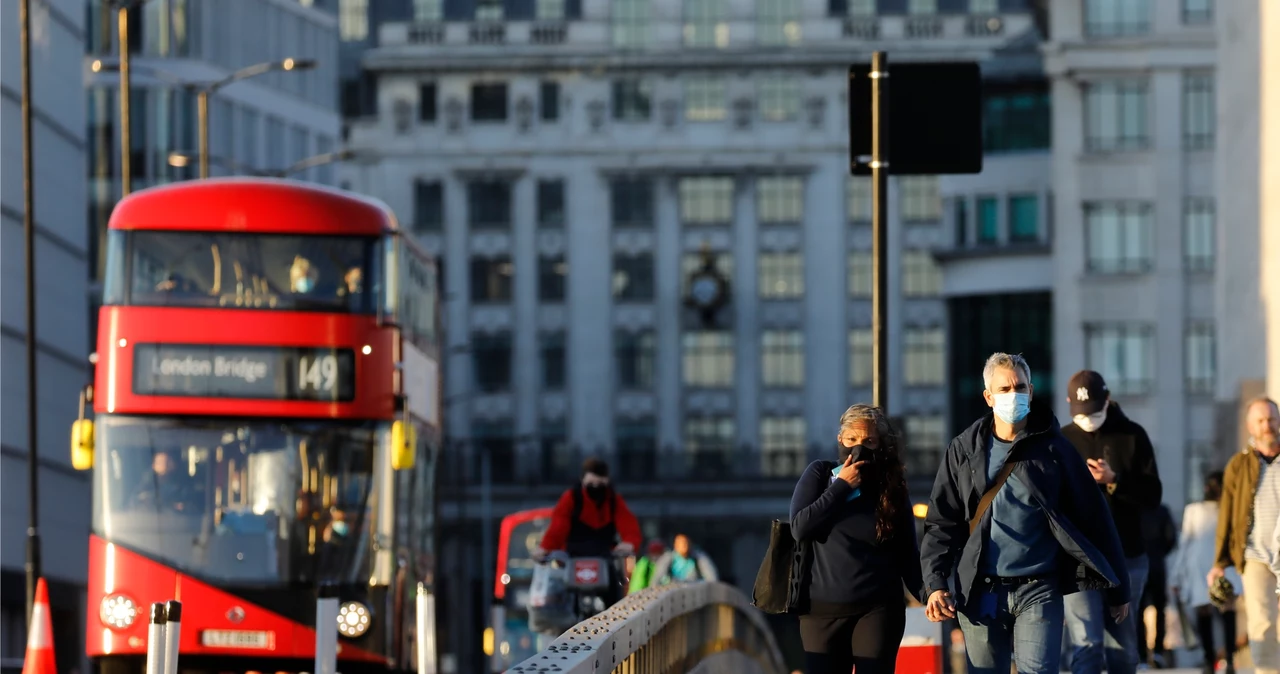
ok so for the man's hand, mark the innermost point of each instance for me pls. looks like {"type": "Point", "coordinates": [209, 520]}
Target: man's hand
{"type": "Point", "coordinates": [1102, 472]}
{"type": "Point", "coordinates": [1119, 613]}
{"type": "Point", "coordinates": [940, 607]}
{"type": "Point", "coordinates": [539, 553]}
{"type": "Point", "coordinates": [624, 549]}
{"type": "Point", "coordinates": [1214, 574]}
{"type": "Point", "coordinates": [851, 472]}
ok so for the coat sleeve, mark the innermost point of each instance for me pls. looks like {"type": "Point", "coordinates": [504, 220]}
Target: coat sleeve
{"type": "Point", "coordinates": [1226, 508]}
{"type": "Point", "coordinates": [661, 569]}
{"type": "Point", "coordinates": [1139, 486]}
{"type": "Point", "coordinates": [946, 529]}
{"type": "Point", "coordinates": [1275, 545]}
{"type": "Point", "coordinates": [628, 526]}
{"type": "Point", "coordinates": [557, 533]}
{"type": "Point", "coordinates": [707, 568]}
{"type": "Point", "coordinates": [813, 502]}
{"type": "Point", "coordinates": [640, 577]}
{"type": "Point", "coordinates": [1091, 515]}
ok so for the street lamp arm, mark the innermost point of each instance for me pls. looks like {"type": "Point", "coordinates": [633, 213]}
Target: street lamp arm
{"type": "Point", "coordinates": [260, 69]}
{"type": "Point", "coordinates": [318, 160]}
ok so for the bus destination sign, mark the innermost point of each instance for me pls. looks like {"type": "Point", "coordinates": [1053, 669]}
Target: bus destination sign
{"type": "Point", "coordinates": [250, 372]}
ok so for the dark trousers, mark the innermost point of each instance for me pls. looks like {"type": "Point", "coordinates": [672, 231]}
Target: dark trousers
{"type": "Point", "coordinates": [868, 640]}
{"type": "Point", "coordinates": [1204, 628]}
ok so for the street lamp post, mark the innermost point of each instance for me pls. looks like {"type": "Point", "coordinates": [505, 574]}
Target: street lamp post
{"type": "Point", "coordinates": [126, 170]}
{"type": "Point", "coordinates": [29, 243]}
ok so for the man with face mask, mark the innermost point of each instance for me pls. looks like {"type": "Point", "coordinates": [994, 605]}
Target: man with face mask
{"type": "Point", "coordinates": [1123, 463]}
{"type": "Point", "coordinates": [590, 518]}
{"type": "Point", "coordinates": [1017, 518]}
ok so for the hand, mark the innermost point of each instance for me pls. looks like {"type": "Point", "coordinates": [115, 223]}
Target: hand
{"type": "Point", "coordinates": [624, 549]}
{"type": "Point", "coordinates": [539, 553]}
{"type": "Point", "coordinates": [1214, 574]}
{"type": "Point", "coordinates": [851, 472]}
{"type": "Point", "coordinates": [1119, 613]}
{"type": "Point", "coordinates": [940, 607]}
{"type": "Point", "coordinates": [1102, 473]}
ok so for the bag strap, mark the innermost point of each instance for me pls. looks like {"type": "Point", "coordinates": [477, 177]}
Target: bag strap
{"type": "Point", "coordinates": [1005, 471]}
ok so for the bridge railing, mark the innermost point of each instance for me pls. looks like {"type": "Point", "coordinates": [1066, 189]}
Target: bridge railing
{"type": "Point", "coordinates": [672, 629]}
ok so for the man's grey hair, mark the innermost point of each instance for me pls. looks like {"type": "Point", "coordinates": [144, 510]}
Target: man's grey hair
{"type": "Point", "coordinates": [1004, 361]}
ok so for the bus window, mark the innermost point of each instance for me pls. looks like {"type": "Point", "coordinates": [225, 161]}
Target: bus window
{"type": "Point", "coordinates": [252, 271]}
{"type": "Point", "coordinates": [413, 297]}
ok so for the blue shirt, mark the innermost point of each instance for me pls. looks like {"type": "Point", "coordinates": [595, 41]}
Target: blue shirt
{"type": "Point", "coordinates": [1021, 543]}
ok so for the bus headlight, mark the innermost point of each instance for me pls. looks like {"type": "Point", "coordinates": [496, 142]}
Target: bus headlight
{"type": "Point", "coordinates": [118, 611]}
{"type": "Point", "coordinates": [353, 619]}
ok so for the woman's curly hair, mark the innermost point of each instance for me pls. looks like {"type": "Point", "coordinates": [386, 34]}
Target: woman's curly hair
{"type": "Point", "coordinates": [887, 477]}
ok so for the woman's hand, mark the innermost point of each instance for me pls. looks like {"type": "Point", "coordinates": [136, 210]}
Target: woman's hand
{"type": "Point", "coordinates": [852, 472]}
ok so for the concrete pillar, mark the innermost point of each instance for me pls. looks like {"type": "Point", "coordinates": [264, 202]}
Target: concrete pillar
{"type": "Point", "coordinates": [826, 298]}
{"type": "Point", "coordinates": [746, 305]}
{"type": "Point", "coordinates": [526, 362]}
{"type": "Point", "coordinates": [667, 283]}
{"type": "Point", "coordinates": [457, 299]}
{"type": "Point", "coordinates": [590, 375]}
{"type": "Point", "coordinates": [1269, 250]}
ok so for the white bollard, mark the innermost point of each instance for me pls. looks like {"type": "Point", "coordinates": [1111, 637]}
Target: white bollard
{"type": "Point", "coordinates": [172, 633]}
{"type": "Point", "coordinates": [326, 630]}
{"type": "Point", "coordinates": [155, 639]}
{"type": "Point", "coordinates": [426, 631]}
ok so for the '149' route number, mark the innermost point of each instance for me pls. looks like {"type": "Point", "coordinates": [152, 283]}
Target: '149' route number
{"type": "Point", "coordinates": [317, 373]}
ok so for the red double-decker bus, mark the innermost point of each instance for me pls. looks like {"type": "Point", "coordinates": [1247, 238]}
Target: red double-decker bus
{"type": "Point", "coordinates": [266, 423]}
{"type": "Point", "coordinates": [509, 640]}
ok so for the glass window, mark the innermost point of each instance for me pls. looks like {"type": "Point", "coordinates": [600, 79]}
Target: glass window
{"type": "Point", "coordinates": [248, 156]}
{"type": "Point", "coordinates": [706, 201]}
{"type": "Point", "coordinates": [782, 446]}
{"type": "Point", "coordinates": [636, 356]}
{"type": "Point", "coordinates": [988, 220]}
{"type": "Point", "coordinates": [961, 206]}
{"type": "Point", "coordinates": [861, 366]}
{"type": "Point", "coordinates": [552, 349]}
{"type": "Point", "coordinates": [922, 7]}
{"type": "Point", "coordinates": [1203, 458]}
{"type": "Point", "coordinates": [780, 200]}
{"type": "Point", "coordinates": [550, 203]}
{"type": "Point", "coordinates": [489, 204]}
{"type": "Point", "coordinates": [860, 269]}
{"type": "Point", "coordinates": [428, 10]}
{"type": "Point", "coordinates": [1124, 355]}
{"type": "Point", "coordinates": [921, 275]}
{"type": "Point", "coordinates": [631, 200]}
{"type": "Point", "coordinates": [550, 10]}
{"type": "Point", "coordinates": [491, 279]}
{"type": "Point", "coordinates": [923, 359]}
{"type": "Point", "coordinates": [920, 200]}
{"type": "Point", "coordinates": [490, 10]}
{"type": "Point", "coordinates": [633, 277]}
{"type": "Point", "coordinates": [712, 435]}
{"type": "Point", "coordinates": [428, 206]}
{"type": "Point", "coordinates": [1024, 218]}
{"type": "Point", "coordinates": [925, 442]}
{"type": "Point", "coordinates": [427, 102]}
{"type": "Point", "coordinates": [162, 483]}
{"type": "Point", "coordinates": [254, 271]}
{"type": "Point", "coordinates": [782, 358]}
{"type": "Point", "coordinates": [781, 275]}
{"type": "Point", "coordinates": [1016, 120]}
{"type": "Point", "coordinates": [778, 22]}
{"type": "Point", "coordinates": [862, 8]}
{"type": "Point", "coordinates": [353, 20]}
{"type": "Point", "coordinates": [708, 359]}
{"type": "Point", "coordinates": [1201, 358]}
{"type": "Point", "coordinates": [1119, 237]}
{"type": "Point", "coordinates": [779, 98]}
{"type": "Point", "coordinates": [552, 275]}
{"type": "Point", "coordinates": [1197, 11]}
{"type": "Point", "coordinates": [632, 100]}
{"type": "Point", "coordinates": [1199, 120]}
{"type": "Point", "coordinates": [704, 99]}
{"type": "Point", "coordinates": [549, 101]}
{"type": "Point", "coordinates": [705, 23]}
{"type": "Point", "coordinates": [1116, 117]}
{"type": "Point", "coordinates": [630, 23]}
{"type": "Point", "coordinates": [489, 102]}
{"type": "Point", "coordinates": [1116, 18]}
{"type": "Point", "coordinates": [859, 198]}
{"type": "Point", "coordinates": [491, 361]}
{"type": "Point", "coordinates": [984, 6]}
{"type": "Point", "coordinates": [637, 443]}
{"type": "Point", "coordinates": [1198, 225]}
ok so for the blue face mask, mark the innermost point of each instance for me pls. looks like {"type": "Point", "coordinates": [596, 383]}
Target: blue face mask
{"type": "Point", "coordinates": [1012, 407]}
{"type": "Point", "coordinates": [340, 528]}
{"type": "Point", "coordinates": [303, 285]}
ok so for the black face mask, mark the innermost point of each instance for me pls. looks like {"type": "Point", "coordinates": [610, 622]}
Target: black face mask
{"type": "Point", "coordinates": [597, 492]}
{"type": "Point", "coordinates": [858, 452]}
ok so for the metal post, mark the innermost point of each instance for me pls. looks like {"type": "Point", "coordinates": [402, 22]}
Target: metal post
{"type": "Point", "coordinates": [880, 229]}
{"type": "Point", "coordinates": [172, 635]}
{"type": "Point", "coordinates": [426, 631]}
{"type": "Point", "coordinates": [326, 630]}
{"type": "Point", "coordinates": [156, 640]}
{"type": "Point", "coordinates": [29, 228]}
{"type": "Point", "coordinates": [126, 171]}
{"type": "Point", "coordinates": [486, 515]}
{"type": "Point", "coordinates": [202, 113]}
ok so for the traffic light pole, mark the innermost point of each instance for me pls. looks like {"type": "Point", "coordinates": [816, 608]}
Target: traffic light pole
{"type": "Point", "coordinates": [880, 230]}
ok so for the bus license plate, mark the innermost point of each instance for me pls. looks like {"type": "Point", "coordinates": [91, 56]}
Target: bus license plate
{"type": "Point", "coordinates": [236, 639]}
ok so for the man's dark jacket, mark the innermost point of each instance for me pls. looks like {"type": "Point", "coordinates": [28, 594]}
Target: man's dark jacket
{"type": "Point", "coordinates": [1091, 557]}
{"type": "Point", "coordinates": [1125, 445]}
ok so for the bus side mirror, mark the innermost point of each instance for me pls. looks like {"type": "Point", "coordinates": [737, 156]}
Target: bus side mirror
{"type": "Point", "coordinates": [404, 445]}
{"type": "Point", "coordinates": [82, 444]}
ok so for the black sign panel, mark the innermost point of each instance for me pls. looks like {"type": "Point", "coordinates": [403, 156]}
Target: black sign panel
{"type": "Point", "coordinates": [250, 372]}
{"type": "Point", "coordinates": [935, 118]}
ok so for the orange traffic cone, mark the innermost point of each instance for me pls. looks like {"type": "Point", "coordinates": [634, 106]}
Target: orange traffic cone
{"type": "Point", "coordinates": [39, 658]}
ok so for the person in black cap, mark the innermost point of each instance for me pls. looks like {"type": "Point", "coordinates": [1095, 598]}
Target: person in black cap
{"type": "Point", "coordinates": [1123, 463]}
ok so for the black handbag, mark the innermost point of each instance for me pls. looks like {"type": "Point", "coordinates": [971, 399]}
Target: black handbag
{"type": "Point", "coordinates": [777, 588]}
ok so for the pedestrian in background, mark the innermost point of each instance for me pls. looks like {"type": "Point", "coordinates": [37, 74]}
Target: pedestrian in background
{"type": "Point", "coordinates": [1160, 533]}
{"type": "Point", "coordinates": [683, 563]}
{"type": "Point", "coordinates": [642, 574]}
{"type": "Point", "coordinates": [1191, 563]}
{"type": "Point", "coordinates": [1122, 462]}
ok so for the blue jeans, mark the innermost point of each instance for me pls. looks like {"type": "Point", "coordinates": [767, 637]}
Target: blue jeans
{"type": "Point", "coordinates": [1026, 629]}
{"type": "Point", "coordinates": [1095, 636]}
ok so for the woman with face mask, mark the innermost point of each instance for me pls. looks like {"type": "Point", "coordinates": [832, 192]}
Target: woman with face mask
{"type": "Point", "coordinates": [856, 514]}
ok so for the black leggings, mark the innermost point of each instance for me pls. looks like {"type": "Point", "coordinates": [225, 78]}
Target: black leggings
{"type": "Point", "coordinates": [1204, 626]}
{"type": "Point", "coordinates": [868, 641]}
